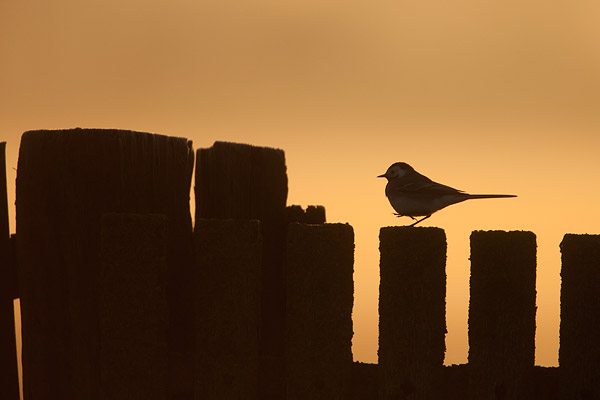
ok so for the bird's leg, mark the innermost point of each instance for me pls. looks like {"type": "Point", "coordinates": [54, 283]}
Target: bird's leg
{"type": "Point", "coordinates": [422, 219]}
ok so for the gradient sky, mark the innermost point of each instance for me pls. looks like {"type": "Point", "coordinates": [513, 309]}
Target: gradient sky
{"type": "Point", "coordinates": [487, 97]}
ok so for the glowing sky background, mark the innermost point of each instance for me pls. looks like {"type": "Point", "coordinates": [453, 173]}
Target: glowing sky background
{"type": "Point", "coordinates": [487, 97]}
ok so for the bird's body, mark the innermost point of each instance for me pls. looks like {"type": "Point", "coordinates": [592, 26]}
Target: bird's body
{"type": "Point", "coordinates": [414, 195]}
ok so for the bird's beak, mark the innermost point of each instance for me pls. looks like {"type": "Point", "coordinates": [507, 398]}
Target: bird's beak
{"type": "Point", "coordinates": [381, 176]}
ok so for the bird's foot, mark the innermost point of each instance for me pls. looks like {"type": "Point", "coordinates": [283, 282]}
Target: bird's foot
{"type": "Point", "coordinates": [402, 215]}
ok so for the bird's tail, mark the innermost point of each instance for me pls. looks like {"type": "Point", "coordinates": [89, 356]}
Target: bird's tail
{"type": "Point", "coordinates": [490, 196]}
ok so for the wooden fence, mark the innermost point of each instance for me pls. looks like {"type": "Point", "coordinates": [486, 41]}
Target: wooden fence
{"type": "Point", "coordinates": [121, 298]}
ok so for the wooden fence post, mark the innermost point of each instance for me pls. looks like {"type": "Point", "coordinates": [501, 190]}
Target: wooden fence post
{"type": "Point", "coordinates": [66, 181]}
{"type": "Point", "coordinates": [227, 306]}
{"type": "Point", "coordinates": [579, 352]}
{"type": "Point", "coordinates": [501, 314]}
{"type": "Point", "coordinates": [412, 312]}
{"type": "Point", "coordinates": [239, 181]}
{"type": "Point", "coordinates": [9, 379]}
{"type": "Point", "coordinates": [132, 307]}
{"type": "Point", "coordinates": [320, 289]}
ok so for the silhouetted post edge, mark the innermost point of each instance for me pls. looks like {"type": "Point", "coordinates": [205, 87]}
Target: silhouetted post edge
{"type": "Point", "coordinates": [412, 320]}
{"type": "Point", "coordinates": [502, 314]}
{"type": "Point", "coordinates": [9, 379]}
{"type": "Point", "coordinates": [579, 351]}
{"type": "Point", "coordinates": [319, 288]}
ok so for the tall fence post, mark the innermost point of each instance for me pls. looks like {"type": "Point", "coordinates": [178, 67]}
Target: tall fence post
{"type": "Point", "coordinates": [579, 352]}
{"type": "Point", "coordinates": [239, 181]}
{"type": "Point", "coordinates": [132, 307]}
{"type": "Point", "coordinates": [66, 181]}
{"type": "Point", "coordinates": [320, 289]}
{"type": "Point", "coordinates": [227, 307]}
{"type": "Point", "coordinates": [501, 314]}
{"type": "Point", "coordinates": [412, 307]}
{"type": "Point", "coordinates": [9, 379]}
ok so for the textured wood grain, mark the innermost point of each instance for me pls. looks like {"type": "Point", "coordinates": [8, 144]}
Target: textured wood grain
{"type": "Point", "coordinates": [133, 313]}
{"type": "Point", "coordinates": [227, 304]}
{"type": "Point", "coordinates": [501, 314]}
{"type": "Point", "coordinates": [66, 181]}
{"type": "Point", "coordinates": [320, 295]}
{"type": "Point", "coordinates": [412, 306]}
{"type": "Point", "coordinates": [579, 352]}
{"type": "Point", "coordinates": [240, 181]}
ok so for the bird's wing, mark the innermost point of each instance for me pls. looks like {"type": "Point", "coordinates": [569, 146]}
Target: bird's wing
{"type": "Point", "coordinates": [417, 186]}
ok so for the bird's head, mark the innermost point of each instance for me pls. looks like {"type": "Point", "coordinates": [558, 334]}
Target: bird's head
{"type": "Point", "coordinates": [397, 170]}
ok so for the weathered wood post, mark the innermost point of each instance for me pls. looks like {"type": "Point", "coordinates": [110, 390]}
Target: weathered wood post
{"type": "Point", "coordinates": [320, 291]}
{"type": "Point", "coordinates": [66, 181]}
{"type": "Point", "coordinates": [133, 312]}
{"type": "Point", "coordinates": [238, 181]}
{"type": "Point", "coordinates": [579, 352]}
{"type": "Point", "coordinates": [9, 379]}
{"type": "Point", "coordinates": [501, 314]}
{"type": "Point", "coordinates": [412, 312]}
{"type": "Point", "coordinates": [227, 308]}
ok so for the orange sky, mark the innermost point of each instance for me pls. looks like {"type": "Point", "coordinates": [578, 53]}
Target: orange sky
{"type": "Point", "coordinates": [483, 96]}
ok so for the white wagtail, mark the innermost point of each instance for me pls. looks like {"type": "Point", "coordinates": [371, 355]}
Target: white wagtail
{"type": "Point", "coordinates": [414, 195]}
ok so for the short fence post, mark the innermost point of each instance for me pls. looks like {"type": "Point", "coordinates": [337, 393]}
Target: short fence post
{"type": "Point", "coordinates": [501, 314]}
{"type": "Point", "coordinates": [579, 352]}
{"type": "Point", "coordinates": [9, 379]}
{"type": "Point", "coordinates": [412, 305]}
{"type": "Point", "coordinates": [240, 181]}
{"type": "Point", "coordinates": [132, 307]}
{"type": "Point", "coordinates": [227, 307]}
{"type": "Point", "coordinates": [319, 288]}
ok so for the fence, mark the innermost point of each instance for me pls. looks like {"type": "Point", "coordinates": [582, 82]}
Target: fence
{"type": "Point", "coordinates": [122, 299]}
